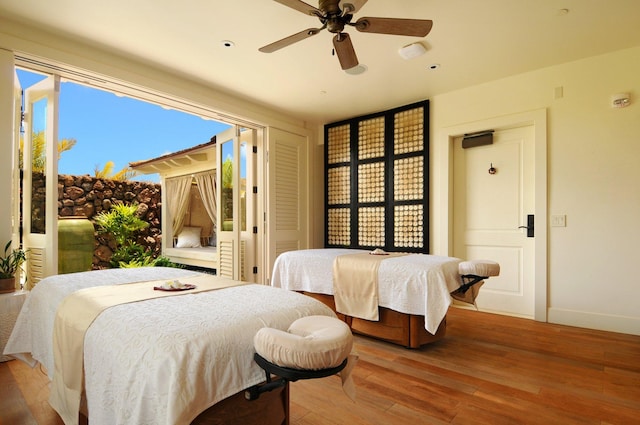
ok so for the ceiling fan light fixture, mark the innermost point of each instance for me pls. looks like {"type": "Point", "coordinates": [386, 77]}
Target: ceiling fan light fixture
{"type": "Point", "coordinates": [412, 51]}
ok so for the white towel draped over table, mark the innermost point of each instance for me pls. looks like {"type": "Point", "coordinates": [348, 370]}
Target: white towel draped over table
{"type": "Point", "coordinates": [165, 360]}
{"type": "Point", "coordinates": [414, 284]}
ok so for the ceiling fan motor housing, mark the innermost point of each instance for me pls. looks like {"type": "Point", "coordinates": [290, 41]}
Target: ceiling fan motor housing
{"type": "Point", "coordinates": [330, 7]}
{"type": "Point", "coordinates": [335, 24]}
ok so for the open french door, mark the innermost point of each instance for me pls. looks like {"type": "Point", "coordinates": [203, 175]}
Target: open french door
{"type": "Point", "coordinates": [40, 179]}
{"type": "Point", "coordinates": [15, 153]}
{"type": "Point", "coordinates": [237, 221]}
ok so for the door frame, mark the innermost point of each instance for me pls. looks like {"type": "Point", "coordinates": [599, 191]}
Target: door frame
{"type": "Point", "coordinates": [443, 190]}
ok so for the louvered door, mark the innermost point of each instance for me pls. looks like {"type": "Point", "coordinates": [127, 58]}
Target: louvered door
{"type": "Point", "coordinates": [287, 203]}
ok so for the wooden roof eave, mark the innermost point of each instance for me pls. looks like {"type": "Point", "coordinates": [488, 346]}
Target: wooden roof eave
{"type": "Point", "coordinates": [183, 159]}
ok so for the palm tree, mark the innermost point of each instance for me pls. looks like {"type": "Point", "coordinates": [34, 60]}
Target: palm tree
{"type": "Point", "coordinates": [39, 158]}
{"type": "Point", "coordinates": [107, 172]}
{"type": "Point", "coordinates": [38, 150]}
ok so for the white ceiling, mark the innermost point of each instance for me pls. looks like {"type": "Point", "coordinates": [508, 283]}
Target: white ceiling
{"type": "Point", "coordinates": [473, 41]}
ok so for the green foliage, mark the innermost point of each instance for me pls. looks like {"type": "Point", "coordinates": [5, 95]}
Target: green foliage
{"type": "Point", "coordinates": [11, 261]}
{"type": "Point", "coordinates": [131, 253]}
{"type": "Point", "coordinates": [38, 149]}
{"type": "Point", "coordinates": [149, 261]}
{"type": "Point", "coordinates": [227, 174]}
{"type": "Point", "coordinates": [122, 223]}
{"type": "Point", "coordinates": [165, 262]}
{"type": "Point", "coordinates": [107, 172]}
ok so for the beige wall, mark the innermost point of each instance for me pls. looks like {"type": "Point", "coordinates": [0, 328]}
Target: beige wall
{"type": "Point", "coordinates": [593, 178]}
{"type": "Point", "coordinates": [593, 174]}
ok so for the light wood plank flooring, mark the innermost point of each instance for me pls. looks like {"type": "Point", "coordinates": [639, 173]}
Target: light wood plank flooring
{"type": "Point", "coordinates": [489, 369]}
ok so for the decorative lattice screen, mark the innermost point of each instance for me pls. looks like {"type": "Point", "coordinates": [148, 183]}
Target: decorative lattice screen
{"type": "Point", "coordinates": [376, 180]}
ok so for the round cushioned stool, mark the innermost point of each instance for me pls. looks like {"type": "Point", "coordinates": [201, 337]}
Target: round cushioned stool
{"type": "Point", "coordinates": [312, 347]}
{"type": "Point", "coordinates": [480, 268]}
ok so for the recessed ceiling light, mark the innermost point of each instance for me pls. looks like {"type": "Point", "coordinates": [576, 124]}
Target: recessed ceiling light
{"type": "Point", "coordinates": [227, 43]}
{"type": "Point", "coordinates": [434, 66]}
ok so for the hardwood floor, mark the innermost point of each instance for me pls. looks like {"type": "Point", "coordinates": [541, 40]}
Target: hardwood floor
{"type": "Point", "coordinates": [489, 369]}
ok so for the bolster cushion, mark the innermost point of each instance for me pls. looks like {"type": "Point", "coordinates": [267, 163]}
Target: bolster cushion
{"type": "Point", "coordinates": [311, 343]}
{"type": "Point", "coordinates": [484, 268]}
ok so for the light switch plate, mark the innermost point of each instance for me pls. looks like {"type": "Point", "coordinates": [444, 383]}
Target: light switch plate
{"type": "Point", "coordinates": [559, 220]}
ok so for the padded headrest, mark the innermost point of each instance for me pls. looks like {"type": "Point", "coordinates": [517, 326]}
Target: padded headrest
{"type": "Point", "coordinates": [483, 268]}
{"type": "Point", "coordinates": [311, 343]}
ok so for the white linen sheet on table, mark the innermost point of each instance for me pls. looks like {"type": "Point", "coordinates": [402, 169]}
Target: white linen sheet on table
{"type": "Point", "coordinates": [417, 284]}
{"type": "Point", "coordinates": [139, 357]}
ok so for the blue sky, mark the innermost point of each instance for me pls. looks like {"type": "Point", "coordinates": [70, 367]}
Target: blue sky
{"type": "Point", "coordinates": [119, 129]}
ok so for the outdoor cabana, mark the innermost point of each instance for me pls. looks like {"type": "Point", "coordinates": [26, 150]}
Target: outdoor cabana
{"type": "Point", "coordinates": [189, 197]}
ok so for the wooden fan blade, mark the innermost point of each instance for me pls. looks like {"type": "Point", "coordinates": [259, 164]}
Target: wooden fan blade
{"type": "Point", "coordinates": [301, 6]}
{"type": "Point", "coordinates": [344, 50]}
{"type": "Point", "coordinates": [394, 26]}
{"type": "Point", "coordinates": [352, 5]}
{"type": "Point", "coordinates": [287, 41]}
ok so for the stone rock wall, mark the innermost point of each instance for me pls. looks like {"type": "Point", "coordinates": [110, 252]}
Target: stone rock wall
{"type": "Point", "coordinates": [87, 196]}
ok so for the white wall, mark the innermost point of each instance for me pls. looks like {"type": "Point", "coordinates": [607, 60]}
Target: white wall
{"type": "Point", "coordinates": [593, 178]}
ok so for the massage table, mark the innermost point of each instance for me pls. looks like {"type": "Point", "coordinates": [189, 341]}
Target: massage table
{"type": "Point", "coordinates": [414, 290]}
{"type": "Point", "coordinates": [175, 360]}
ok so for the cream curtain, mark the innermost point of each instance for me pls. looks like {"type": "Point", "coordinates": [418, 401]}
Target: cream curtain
{"type": "Point", "coordinates": [207, 187]}
{"type": "Point", "coordinates": [178, 190]}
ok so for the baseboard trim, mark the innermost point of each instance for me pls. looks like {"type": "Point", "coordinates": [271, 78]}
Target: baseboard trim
{"type": "Point", "coordinates": [603, 322]}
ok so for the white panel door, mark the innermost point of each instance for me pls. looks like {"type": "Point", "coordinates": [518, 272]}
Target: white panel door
{"type": "Point", "coordinates": [488, 210]}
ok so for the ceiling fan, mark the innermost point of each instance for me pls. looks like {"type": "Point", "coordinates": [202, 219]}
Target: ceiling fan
{"type": "Point", "coordinates": [335, 15]}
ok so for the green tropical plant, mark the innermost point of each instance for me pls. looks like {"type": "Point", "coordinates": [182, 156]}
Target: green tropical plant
{"type": "Point", "coordinates": [11, 261]}
{"type": "Point", "coordinates": [134, 253]}
{"type": "Point", "coordinates": [149, 261]}
{"type": "Point", "coordinates": [122, 223]}
{"type": "Point", "coordinates": [163, 261]}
